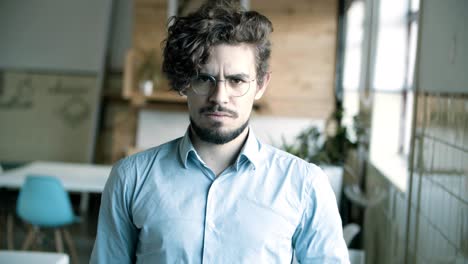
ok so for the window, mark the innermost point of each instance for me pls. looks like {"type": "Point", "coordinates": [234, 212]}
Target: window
{"type": "Point", "coordinates": [392, 85]}
{"type": "Point", "coordinates": [352, 63]}
{"type": "Point", "coordinates": [353, 46]}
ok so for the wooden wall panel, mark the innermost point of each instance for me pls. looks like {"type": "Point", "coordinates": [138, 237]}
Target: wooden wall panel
{"type": "Point", "coordinates": [117, 130]}
{"type": "Point", "coordinates": [296, 6]}
{"type": "Point", "coordinates": [117, 134]}
{"type": "Point", "coordinates": [303, 57]}
{"type": "Point", "coordinates": [149, 26]}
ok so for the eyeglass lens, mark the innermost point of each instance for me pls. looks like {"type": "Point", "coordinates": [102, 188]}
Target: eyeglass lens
{"type": "Point", "coordinates": [206, 84]}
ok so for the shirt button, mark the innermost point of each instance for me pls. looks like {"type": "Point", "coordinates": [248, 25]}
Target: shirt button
{"type": "Point", "coordinates": [211, 225]}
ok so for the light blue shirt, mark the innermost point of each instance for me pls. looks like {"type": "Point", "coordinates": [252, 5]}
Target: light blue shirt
{"type": "Point", "coordinates": [164, 205]}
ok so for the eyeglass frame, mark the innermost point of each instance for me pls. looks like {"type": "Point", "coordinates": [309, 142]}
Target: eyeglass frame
{"type": "Point", "coordinates": [215, 81]}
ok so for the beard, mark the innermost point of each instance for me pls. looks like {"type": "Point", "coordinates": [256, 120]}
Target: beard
{"type": "Point", "coordinates": [215, 135]}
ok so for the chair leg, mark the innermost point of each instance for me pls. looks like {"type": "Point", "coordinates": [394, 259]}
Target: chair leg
{"type": "Point", "coordinates": [71, 246]}
{"type": "Point", "coordinates": [1, 218]}
{"type": "Point", "coordinates": [10, 227]}
{"type": "Point", "coordinates": [30, 238]}
{"type": "Point", "coordinates": [58, 240]}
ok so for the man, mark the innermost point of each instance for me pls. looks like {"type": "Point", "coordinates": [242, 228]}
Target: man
{"type": "Point", "coordinates": [217, 194]}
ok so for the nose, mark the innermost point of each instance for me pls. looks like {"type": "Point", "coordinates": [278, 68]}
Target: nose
{"type": "Point", "coordinates": [220, 93]}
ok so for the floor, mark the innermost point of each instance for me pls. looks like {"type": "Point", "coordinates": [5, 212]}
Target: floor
{"type": "Point", "coordinates": [83, 233]}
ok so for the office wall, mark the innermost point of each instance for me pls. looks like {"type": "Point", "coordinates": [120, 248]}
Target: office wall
{"type": "Point", "coordinates": [121, 34]}
{"type": "Point", "coordinates": [444, 55]}
{"type": "Point", "coordinates": [53, 35]}
{"type": "Point", "coordinates": [63, 36]}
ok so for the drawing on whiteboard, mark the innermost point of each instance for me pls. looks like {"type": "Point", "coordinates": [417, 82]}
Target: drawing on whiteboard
{"type": "Point", "coordinates": [21, 96]}
{"type": "Point", "coordinates": [60, 89]}
{"type": "Point", "coordinates": [74, 111]}
{"type": "Point", "coordinates": [2, 83]}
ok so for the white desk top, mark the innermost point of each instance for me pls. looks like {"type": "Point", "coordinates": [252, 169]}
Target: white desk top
{"type": "Point", "coordinates": [21, 257]}
{"type": "Point", "coordinates": [75, 177]}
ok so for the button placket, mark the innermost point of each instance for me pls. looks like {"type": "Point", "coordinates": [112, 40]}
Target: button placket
{"type": "Point", "coordinates": [209, 228]}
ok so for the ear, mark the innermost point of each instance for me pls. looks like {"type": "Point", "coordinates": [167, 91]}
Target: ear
{"type": "Point", "coordinates": [183, 91]}
{"type": "Point", "coordinates": [262, 88]}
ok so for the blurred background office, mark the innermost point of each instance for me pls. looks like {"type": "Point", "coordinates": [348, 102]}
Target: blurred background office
{"type": "Point", "coordinates": [374, 91]}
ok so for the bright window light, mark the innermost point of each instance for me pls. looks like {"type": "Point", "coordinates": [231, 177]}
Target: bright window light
{"type": "Point", "coordinates": [353, 46]}
{"type": "Point", "coordinates": [392, 45]}
{"type": "Point", "coordinates": [393, 96]}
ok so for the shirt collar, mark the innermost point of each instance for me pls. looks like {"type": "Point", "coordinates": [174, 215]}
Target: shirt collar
{"type": "Point", "coordinates": [185, 148]}
{"type": "Point", "coordinates": [250, 150]}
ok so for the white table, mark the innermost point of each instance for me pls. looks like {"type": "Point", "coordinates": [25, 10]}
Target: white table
{"type": "Point", "coordinates": [26, 257]}
{"type": "Point", "coordinates": [75, 177]}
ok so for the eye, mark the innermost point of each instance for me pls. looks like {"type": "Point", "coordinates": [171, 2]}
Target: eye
{"type": "Point", "coordinates": [236, 81]}
{"type": "Point", "coordinates": [204, 78]}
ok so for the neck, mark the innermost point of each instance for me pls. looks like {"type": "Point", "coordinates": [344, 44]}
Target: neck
{"type": "Point", "coordinates": [218, 157]}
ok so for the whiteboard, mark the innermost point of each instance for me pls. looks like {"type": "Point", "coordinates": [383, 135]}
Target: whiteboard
{"type": "Point", "coordinates": [47, 117]}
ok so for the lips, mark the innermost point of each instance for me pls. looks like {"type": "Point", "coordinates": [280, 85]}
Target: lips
{"type": "Point", "coordinates": [218, 114]}
{"type": "Point", "coordinates": [217, 111]}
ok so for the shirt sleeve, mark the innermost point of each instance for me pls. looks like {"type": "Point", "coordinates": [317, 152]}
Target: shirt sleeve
{"type": "Point", "coordinates": [116, 236]}
{"type": "Point", "coordinates": [319, 235]}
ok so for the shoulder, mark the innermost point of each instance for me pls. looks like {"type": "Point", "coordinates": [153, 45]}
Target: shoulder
{"type": "Point", "coordinates": [136, 166]}
{"type": "Point", "coordinates": [142, 158]}
{"type": "Point", "coordinates": [301, 173]}
{"type": "Point", "coordinates": [283, 160]}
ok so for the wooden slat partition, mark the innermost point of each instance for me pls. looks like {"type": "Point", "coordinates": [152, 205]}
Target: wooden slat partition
{"type": "Point", "coordinates": [303, 57]}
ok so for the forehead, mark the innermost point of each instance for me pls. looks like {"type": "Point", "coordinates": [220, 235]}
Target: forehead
{"type": "Point", "coordinates": [230, 59]}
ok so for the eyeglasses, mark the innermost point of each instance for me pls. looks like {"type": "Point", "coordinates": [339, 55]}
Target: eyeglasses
{"type": "Point", "coordinates": [205, 84]}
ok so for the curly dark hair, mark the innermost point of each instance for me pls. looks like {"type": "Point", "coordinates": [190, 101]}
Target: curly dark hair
{"type": "Point", "coordinates": [189, 39]}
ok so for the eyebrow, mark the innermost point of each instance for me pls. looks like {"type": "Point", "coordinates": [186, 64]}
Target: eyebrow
{"type": "Point", "coordinates": [236, 75]}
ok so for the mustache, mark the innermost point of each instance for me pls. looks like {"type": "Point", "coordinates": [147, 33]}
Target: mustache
{"type": "Point", "coordinates": [218, 109]}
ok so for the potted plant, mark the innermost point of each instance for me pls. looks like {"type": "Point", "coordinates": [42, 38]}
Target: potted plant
{"type": "Point", "coordinates": [149, 72]}
{"type": "Point", "coordinates": [328, 149]}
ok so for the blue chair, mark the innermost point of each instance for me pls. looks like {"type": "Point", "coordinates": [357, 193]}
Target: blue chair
{"type": "Point", "coordinates": [44, 203]}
